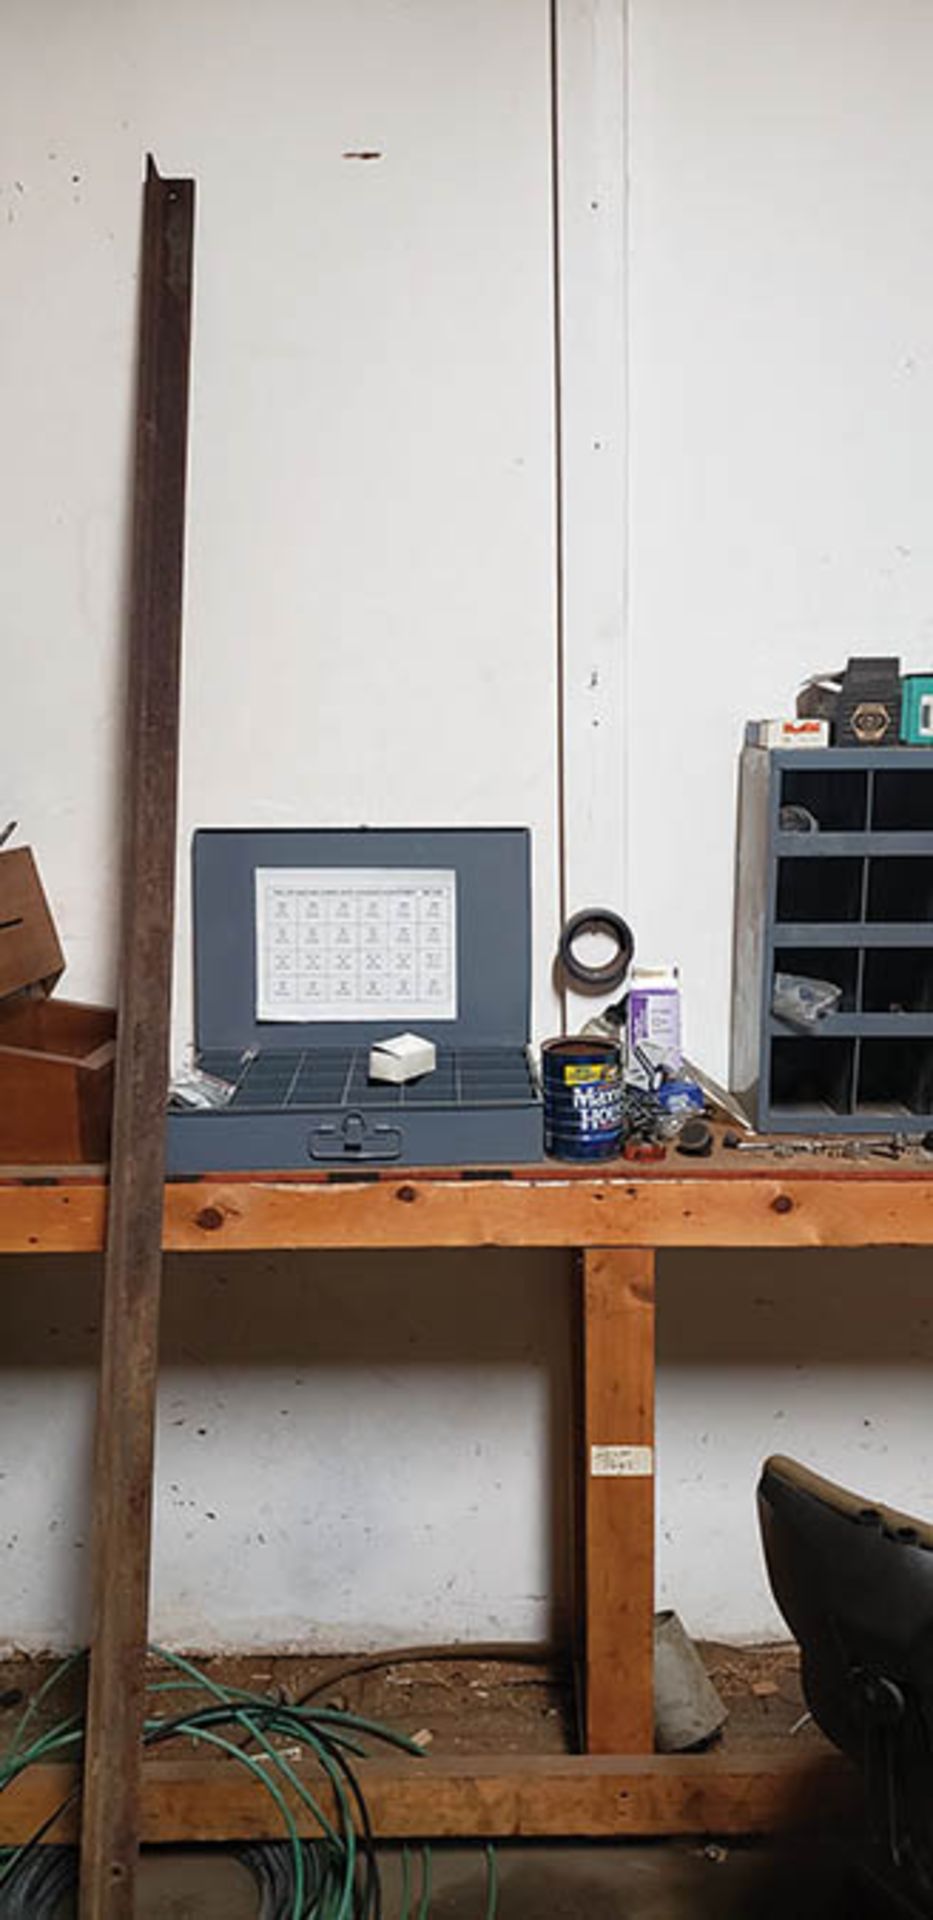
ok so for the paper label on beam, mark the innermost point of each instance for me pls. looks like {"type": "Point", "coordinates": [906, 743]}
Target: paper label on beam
{"type": "Point", "coordinates": [621, 1463]}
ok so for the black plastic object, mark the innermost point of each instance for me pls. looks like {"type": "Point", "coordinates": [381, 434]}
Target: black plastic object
{"type": "Point", "coordinates": [818, 696]}
{"type": "Point", "coordinates": [854, 1582]}
{"type": "Point", "coordinates": [695, 1139]}
{"type": "Point", "coordinates": [605, 978]}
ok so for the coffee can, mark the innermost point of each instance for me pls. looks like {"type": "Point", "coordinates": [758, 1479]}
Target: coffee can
{"type": "Point", "coordinates": [581, 1084]}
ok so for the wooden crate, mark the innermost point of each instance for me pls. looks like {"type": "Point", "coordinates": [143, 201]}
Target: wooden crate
{"type": "Point", "coordinates": [56, 1057]}
{"type": "Point", "coordinates": [31, 958]}
{"type": "Point", "coordinates": [56, 1081]}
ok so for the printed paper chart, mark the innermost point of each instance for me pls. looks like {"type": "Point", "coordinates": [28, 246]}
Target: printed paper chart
{"type": "Point", "coordinates": [356, 944]}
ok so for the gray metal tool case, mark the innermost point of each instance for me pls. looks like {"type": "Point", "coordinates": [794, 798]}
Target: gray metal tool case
{"type": "Point", "coordinates": [303, 1097]}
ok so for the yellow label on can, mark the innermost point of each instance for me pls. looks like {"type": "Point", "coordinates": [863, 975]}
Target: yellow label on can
{"type": "Point", "coordinates": [584, 1076]}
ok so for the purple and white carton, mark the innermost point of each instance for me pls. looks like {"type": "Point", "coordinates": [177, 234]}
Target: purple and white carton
{"type": "Point", "coordinates": [653, 1037]}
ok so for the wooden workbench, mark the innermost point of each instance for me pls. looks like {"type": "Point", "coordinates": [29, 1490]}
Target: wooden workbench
{"type": "Point", "coordinates": [615, 1220]}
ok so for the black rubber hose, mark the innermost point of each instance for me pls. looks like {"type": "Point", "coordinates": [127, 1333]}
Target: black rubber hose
{"type": "Point", "coordinates": [37, 1889]}
{"type": "Point", "coordinates": [612, 972]}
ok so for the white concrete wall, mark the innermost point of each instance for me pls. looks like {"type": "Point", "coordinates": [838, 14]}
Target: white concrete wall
{"type": "Point", "coordinates": [357, 1451]}
{"type": "Point", "coordinates": [781, 407]}
{"type": "Point", "coordinates": [369, 636]}
{"type": "Point", "coordinates": [780, 351]}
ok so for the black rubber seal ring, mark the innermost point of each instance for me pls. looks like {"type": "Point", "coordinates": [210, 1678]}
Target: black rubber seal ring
{"type": "Point", "coordinates": [597, 920]}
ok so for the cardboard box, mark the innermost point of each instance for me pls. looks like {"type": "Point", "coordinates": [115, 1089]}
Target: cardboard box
{"type": "Point", "coordinates": [652, 1024]}
{"type": "Point", "coordinates": [787, 733]}
{"type": "Point", "coordinates": [56, 1056]}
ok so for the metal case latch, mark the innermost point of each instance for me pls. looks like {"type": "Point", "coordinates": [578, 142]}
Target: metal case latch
{"type": "Point", "coordinates": [354, 1139]}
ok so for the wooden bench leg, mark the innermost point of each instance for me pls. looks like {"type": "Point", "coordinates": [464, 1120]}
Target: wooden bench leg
{"type": "Point", "coordinates": [618, 1337]}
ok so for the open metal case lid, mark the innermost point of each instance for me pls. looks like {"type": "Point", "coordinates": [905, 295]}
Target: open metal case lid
{"type": "Point", "coordinates": [492, 871]}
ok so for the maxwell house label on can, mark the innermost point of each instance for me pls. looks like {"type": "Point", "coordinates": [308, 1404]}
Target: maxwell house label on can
{"type": "Point", "coordinates": [598, 1107]}
{"type": "Point", "coordinates": [582, 1089]}
{"type": "Point", "coordinates": [585, 1076]}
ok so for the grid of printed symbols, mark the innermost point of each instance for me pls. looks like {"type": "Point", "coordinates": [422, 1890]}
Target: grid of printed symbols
{"type": "Point", "coordinates": [334, 946]}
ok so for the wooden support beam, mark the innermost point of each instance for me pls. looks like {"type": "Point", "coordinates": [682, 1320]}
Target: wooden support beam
{"type": "Point", "coordinates": [618, 1465]}
{"type": "Point", "coordinates": [664, 1209]}
{"type": "Point", "coordinates": [517, 1796]}
{"type": "Point", "coordinates": [63, 1212]}
{"type": "Point", "coordinates": [133, 1258]}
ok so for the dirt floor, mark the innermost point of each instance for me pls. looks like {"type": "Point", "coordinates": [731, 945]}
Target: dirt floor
{"type": "Point", "coordinates": [456, 1704]}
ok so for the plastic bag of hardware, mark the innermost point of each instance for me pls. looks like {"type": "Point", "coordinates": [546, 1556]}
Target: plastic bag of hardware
{"type": "Point", "coordinates": [192, 1087]}
{"type": "Point", "coordinates": [803, 1002]}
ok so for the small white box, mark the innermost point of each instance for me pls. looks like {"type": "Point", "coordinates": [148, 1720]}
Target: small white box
{"type": "Point", "coordinates": [788, 733]}
{"type": "Point", "coordinates": [405, 1057]}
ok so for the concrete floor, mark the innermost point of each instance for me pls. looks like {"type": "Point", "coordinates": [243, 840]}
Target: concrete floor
{"type": "Point", "coordinates": [663, 1881]}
